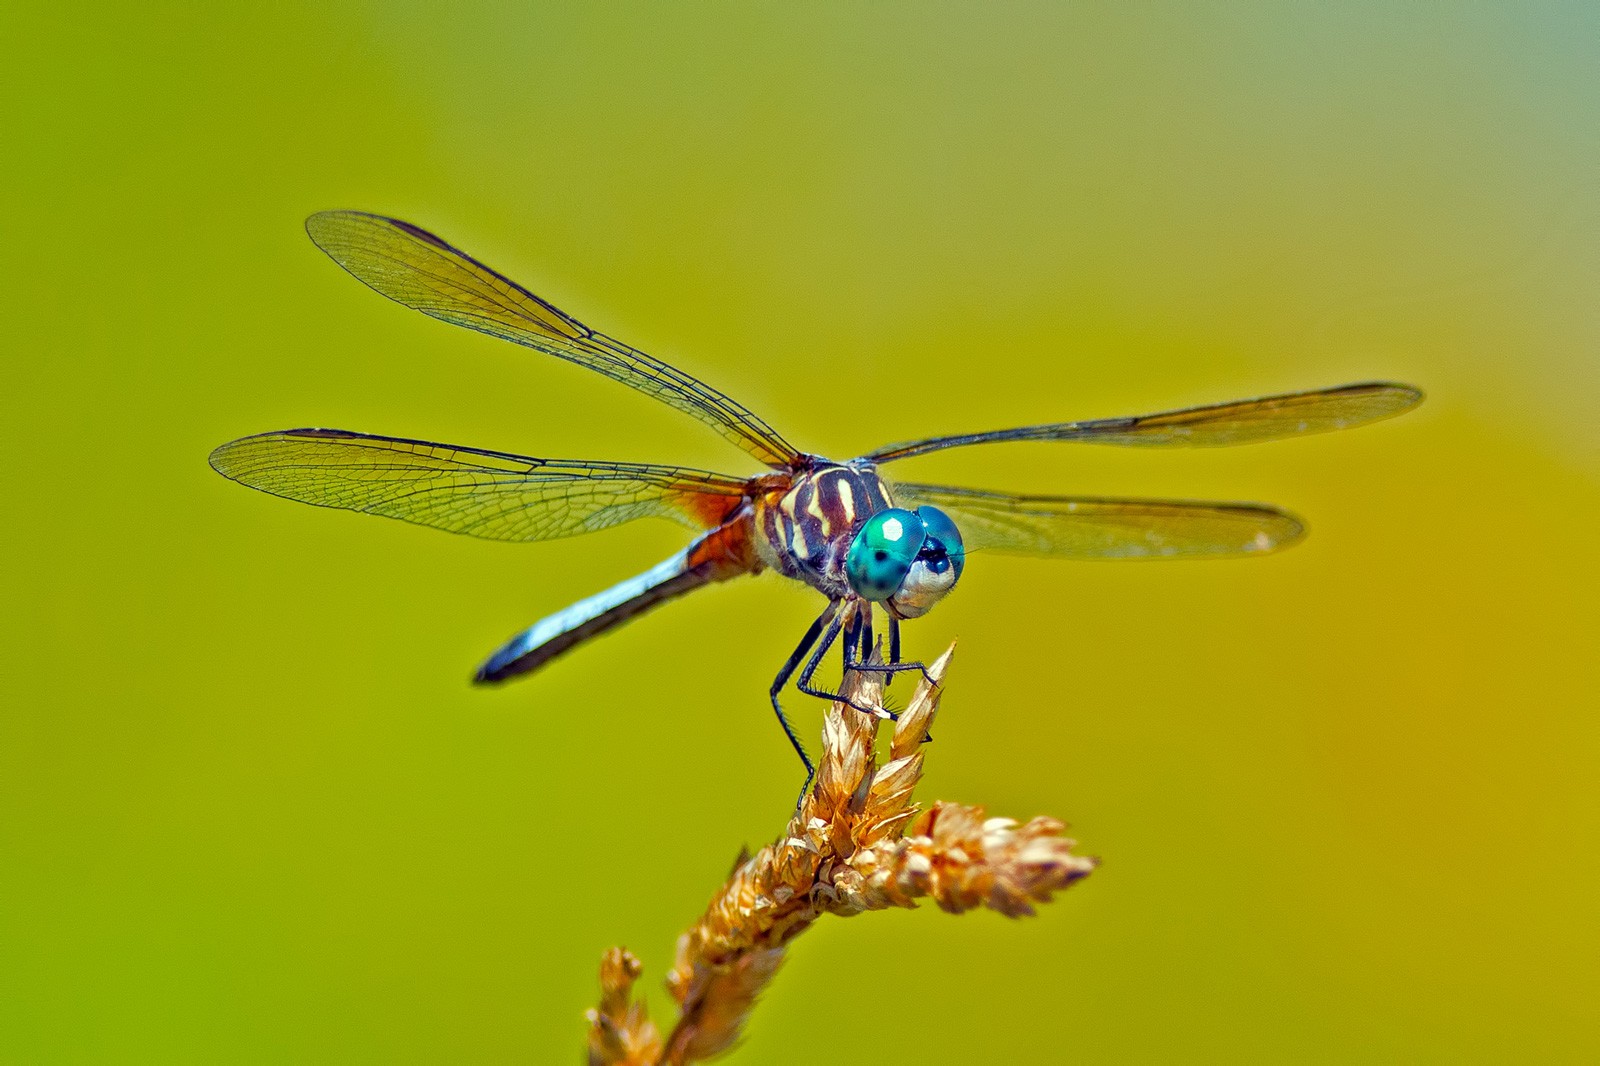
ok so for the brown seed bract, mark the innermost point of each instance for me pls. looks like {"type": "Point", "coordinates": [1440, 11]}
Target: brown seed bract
{"type": "Point", "coordinates": [856, 844]}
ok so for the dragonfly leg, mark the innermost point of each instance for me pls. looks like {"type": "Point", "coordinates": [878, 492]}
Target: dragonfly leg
{"type": "Point", "coordinates": [803, 683]}
{"type": "Point", "coordinates": [795, 659]}
{"type": "Point", "coordinates": [894, 665]}
{"type": "Point", "coordinates": [826, 627]}
{"type": "Point", "coordinates": [857, 627]}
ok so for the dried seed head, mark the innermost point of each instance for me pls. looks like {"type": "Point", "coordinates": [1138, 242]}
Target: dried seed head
{"type": "Point", "coordinates": [856, 844]}
{"type": "Point", "coordinates": [619, 1032]}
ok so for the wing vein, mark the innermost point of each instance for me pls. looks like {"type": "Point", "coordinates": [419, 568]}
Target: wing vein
{"type": "Point", "coordinates": [417, 269]}
{"type": "Point", "coordinates": [440, 486]}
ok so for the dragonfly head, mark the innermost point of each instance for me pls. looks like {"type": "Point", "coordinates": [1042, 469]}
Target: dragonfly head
{"type": "Point", "coordinates": [905, 560]}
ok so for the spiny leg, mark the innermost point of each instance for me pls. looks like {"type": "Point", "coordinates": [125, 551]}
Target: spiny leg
{"type": "Point", "coordinates": [803, 683]}
{"type": "Point", "coordinates": [795, 659]}
{"type": "Point", "coordinates": [894, 665]}
{"type": "Point", "coordinates": [827, 626]}
{"type": "Point", "coordinates": [857, 624]}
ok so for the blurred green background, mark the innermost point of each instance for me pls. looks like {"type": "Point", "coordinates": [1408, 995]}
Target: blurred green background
{"type": "Point", "coordinates": [250, 809]}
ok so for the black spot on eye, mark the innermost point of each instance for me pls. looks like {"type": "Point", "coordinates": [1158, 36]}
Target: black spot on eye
{"type": "Point", "coordinates": [880, 555]}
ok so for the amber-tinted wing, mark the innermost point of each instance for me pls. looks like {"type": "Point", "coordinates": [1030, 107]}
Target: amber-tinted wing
{"type": "Point", "coordinates": [1087, 527]}
{"type": "Point", "coordinates": [487, 494]}
{"type": "Point", "coordinates": [413, 267]}
{"type": "Point", "coordinates": [1240, 422]}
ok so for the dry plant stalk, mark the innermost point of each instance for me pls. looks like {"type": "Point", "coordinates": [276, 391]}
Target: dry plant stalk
{"type": "Point", "coordinates": [856, 844]}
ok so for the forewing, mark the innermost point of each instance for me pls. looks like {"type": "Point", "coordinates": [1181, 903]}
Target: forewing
{"type": "Point", "coordinates": [1088, 527]}
{"type": "Point", "coordinates": [1241, 422]}
{"type": "Point", "coordinates": [413, 267]}
{"type": "Point", "coordinates": [495, 495]}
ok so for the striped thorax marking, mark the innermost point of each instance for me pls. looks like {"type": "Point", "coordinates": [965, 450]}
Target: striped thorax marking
{"type": "Point", "coordinates": [806, 531]}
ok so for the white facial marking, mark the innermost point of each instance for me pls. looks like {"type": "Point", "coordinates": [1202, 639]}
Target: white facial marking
{"type": "Point", "coordinates": [921, 589]}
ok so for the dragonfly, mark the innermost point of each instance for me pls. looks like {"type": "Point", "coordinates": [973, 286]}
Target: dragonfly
{"type": "Point", "coordinates": [865, 542]}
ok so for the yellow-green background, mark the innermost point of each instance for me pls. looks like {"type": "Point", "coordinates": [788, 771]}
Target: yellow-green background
{"type": "Point", "coordinates": [250, 810]}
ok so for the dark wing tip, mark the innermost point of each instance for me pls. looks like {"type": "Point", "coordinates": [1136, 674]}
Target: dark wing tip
{"type": "Point", "coordinates": [1398, 396]}
{"type": "Point", "coordinates": [324, 226]}
{"type": "Point", "coordinates": [318, 432]}
{"type": "Point", "coordinates": [1265, 530]}
{"type": "Point", "coordinates": [1294, 530]}
{"type": "Point", "coordinates": [1270, 530]}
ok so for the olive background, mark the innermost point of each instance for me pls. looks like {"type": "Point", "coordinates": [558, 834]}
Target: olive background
{"type": "Point", "coordinates": [251, 809]}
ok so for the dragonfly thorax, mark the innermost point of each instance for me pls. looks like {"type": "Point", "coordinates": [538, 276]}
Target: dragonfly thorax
{"type": "Point", "coordinates": [835, 527]}
{"type": "Point", "coordinates": [805, 531]}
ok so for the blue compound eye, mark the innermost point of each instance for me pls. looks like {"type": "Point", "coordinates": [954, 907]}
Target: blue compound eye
{"type": "Point", "coordinates": [934, 571]}
{"type": "Point", "coordinates": [942, 534]}
{"type": "Point", "coordinates": [881, 555]}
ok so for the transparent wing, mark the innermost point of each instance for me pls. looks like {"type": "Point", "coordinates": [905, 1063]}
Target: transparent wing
{"type": "Point", "coordinates": [487, 494]}
{"type": "Point", "coordinates": [1087, 527]}
{"type": "Point", "coordinates": [413, 267]}
{"type": "Point", "coordinates": [1240, 422]}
